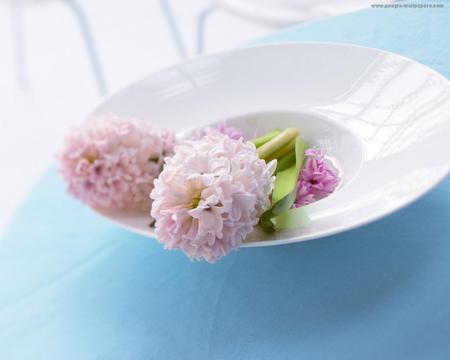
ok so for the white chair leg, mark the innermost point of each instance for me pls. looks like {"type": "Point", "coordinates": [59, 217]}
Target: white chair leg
{"type": "Point", "coordinates": [201, 26]}
{"type": "Point", "coordinates": [174, 30]}
{"type": "Point", "coordinates": [19, 44]}
{"type": "Point", "coordinates": [90, 45]}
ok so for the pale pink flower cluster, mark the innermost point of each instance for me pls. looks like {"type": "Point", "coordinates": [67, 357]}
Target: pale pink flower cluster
{"type": "Point", "coordinates": [112, 161]}
{"type": "Point", "coordinates": [220, 128]}
{"type": "Point", "coordinates": [210, 196]}
{"type": "Point", "coordinates": [317, 179]}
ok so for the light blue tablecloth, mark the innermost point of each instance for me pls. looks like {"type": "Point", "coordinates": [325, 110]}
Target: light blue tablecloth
{"type": "Point", "coordinates": [73, 286]}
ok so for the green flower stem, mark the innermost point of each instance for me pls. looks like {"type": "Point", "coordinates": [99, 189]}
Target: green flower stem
{"type": "Point", "coordinates": [286, 149]}
{"type": "Point", "coordinates": [270, 147]}
{"type": "Point", "coordinates": [265, 138]}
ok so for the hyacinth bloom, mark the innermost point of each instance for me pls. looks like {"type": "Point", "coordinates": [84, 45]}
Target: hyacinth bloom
{"type": "Point", "coordinates": [231, 132]}
{"type": "Point", "coordinates": [220, 128]}
{"type": "Point", "coordinates": [112, 162]}
{"type": "Point", "coordinates": [210, 196]}
{"type": "Point", "coordinates": [317, 179]}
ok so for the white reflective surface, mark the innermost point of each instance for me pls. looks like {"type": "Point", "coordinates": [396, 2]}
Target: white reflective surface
{"type": "Point", "coordinates": [384, 117]}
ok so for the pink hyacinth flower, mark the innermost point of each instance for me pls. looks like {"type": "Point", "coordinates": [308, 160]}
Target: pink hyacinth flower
{"type": "Point", "coordinates": [210, 196]}
{"type": "Point", "coordinates": [318, 179]}
{"type": "Point", "coordinates": [112, 162]}
{"type": "Point", "coordinates": [220, 128]}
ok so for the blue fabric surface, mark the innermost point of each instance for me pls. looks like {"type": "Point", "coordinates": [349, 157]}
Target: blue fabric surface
{"type": "Point", "coordinates": [73, 286]}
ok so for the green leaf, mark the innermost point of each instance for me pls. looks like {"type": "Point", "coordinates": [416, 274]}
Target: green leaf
{"type": "Point", "coordinates": [286, 180]}
{"type": "Point", "coordinates": [284, 183]}
{"type": "Point", "coordinates": [291, 219]}
{"type": "Point", "coordinates": [285, 162]}
{"type": "Point", "coordinates": [278, 208]}
{"type": "Point", "coordinates": [285, 189]}
{"type": "Point", "coordinates": [300, 148]}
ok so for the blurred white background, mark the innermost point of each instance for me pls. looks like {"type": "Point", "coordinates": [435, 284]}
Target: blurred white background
{"type": "Point", "coordinates": [47, 82]}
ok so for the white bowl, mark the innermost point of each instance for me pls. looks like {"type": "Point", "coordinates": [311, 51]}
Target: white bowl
{"type": "Point", "coordinates": [385, 118]}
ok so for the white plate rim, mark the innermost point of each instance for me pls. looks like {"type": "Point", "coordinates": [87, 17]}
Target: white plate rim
{"type": "Point", "coordinates": [291, 239]}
